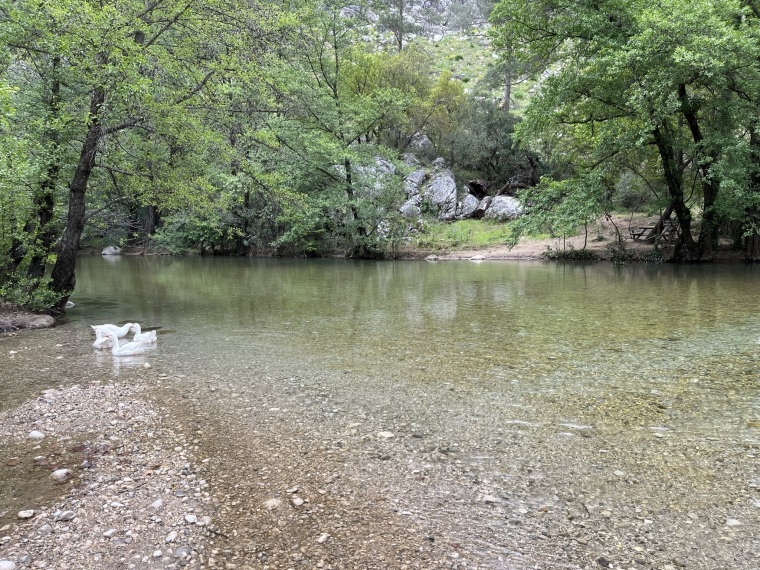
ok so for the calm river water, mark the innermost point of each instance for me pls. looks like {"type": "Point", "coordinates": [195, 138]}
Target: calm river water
{"type": "Point", "coordinates": [631, 394]}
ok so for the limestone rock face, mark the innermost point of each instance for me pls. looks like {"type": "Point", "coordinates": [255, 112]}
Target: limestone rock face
{"type": "Point", "coordinates": [442, 192]}
{"type": "Point", "coordinates": [468, 206]}
{"type": "Point", "coordinates": [504, 208]}
{"type": "Point", "coordinates": [413, 182]}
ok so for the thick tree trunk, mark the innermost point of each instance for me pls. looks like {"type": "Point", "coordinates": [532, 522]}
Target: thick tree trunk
{"type": "Point", "coordinates": [708, 231]}
{"type": "Point", "coordinates": [752, 248]}
{"type": "Point", "coordinates": [673, 180]}
{"type": "Point", "coordinates": [63, 276]}
{"type": "Point", "coordinates": [152, 218]}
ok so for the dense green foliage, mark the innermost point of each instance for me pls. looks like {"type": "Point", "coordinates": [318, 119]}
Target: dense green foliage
{"type": "Point", "coordinates": [215, 127]}
{"type": "Point", "coordinates": [280, 127]}
{"type": "Point", "coordinates": [667, 92]}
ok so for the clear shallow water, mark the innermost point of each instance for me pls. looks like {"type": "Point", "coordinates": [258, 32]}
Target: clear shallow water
{"type": "Point", "coordinates": [660, 363]}
{"type": "Point", "coordinates": [494, 327]}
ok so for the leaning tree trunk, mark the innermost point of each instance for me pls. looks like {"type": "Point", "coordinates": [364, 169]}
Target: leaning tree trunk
{"type": "Point", "coordinates": [708, 233]}
{"type": "Point", "coordinates": [63, 276]}
{"type": "Point", "coordinates": [674, 180]}
{"type": "Point", "coordinates": [660, 225]}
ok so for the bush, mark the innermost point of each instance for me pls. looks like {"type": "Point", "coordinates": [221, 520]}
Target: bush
{"type": "Point", "coordinates": [31, 294]}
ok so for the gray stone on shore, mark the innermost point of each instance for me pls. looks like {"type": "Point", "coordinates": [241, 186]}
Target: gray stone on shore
{"type": "Point", "coordinates": [61, 476]}
{"type": "Point", "coordinates": [64, 515]}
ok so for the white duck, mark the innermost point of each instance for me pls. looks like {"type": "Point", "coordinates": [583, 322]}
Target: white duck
{"type": "Point", "coordinates": [128, 349]}
{"type": "Point", "coordinates": [148, 337]}
{"type": "Point", "coordinates": [101, 340]}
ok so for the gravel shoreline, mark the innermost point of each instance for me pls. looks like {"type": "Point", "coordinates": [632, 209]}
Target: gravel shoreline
{"type": "Point", "coordinates": [134, 497]}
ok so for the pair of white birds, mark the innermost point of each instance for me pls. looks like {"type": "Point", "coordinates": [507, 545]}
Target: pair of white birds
{"type": "Point", "coordinates": [108, 336]}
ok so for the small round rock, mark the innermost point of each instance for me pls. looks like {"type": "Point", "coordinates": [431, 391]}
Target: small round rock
{"type": "Point", "coordinates": [7, 565]}
{"type": "Point", "coordinates": [36, 435]}
{"type": "Point", "coordinates": [25, 514]}
{"type": "Point", "coordinates": [60, 476]}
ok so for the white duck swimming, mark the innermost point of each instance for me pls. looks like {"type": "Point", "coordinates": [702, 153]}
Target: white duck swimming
{"type": "Point", "coordinates": [148, 337]}
{"type": "Point", "coordinates": [128, 349]}
{"type": "Point", "coordinates": [101, 340]}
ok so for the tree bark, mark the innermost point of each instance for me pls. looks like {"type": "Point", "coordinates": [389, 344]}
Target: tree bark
{"type": "Point", "coordinates": [152, 219]}
{"type": "Point", "coordinates": [506, 102]}
{"type": "Point", "coordinates": [674, 181]}
{"type": "Point", "coordinates": [64, 272]}
{"type": "Point", "coordinates": [709, 228]}
{"type": "Point", "coordinates": [752, 241]}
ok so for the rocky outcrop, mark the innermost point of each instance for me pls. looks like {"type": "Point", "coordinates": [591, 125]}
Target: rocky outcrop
{"type": "Point", "coordinates": [504, 208]}
{"type": "Point", "coordinates": [434, 191]}
{"type": "Point", "coordinates": [468, 206]}
{"type": "Point", "coordinates": [376, 177]}
{"type": "Point", "coordinates": [442, 192]}
{"type": "Point", "coordinates": [413, 182]}
{"type": "Point", "coordinates": [482, 208]}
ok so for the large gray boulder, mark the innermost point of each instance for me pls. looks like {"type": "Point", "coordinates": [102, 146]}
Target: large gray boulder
{"type": "Point", "coordinates": [413, 182]}
{"type": "Point", "coordinates": [421, 145]}
{"type": "Point", "coordinates": [411, 208]}
{"type": "Point", "coordinates": [442, 192]}
{"type": "Point", "coordinates": [468, 206]}
{"type": "Point", "coordinates": [111, 250]}
{"type": "Point", "coordinates": [504, 208]}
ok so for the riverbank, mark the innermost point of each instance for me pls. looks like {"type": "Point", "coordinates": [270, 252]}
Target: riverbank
{"type": "Point", "coordinates": [608, 239]}
{"type": "Point", "coordinates": [12, 318]}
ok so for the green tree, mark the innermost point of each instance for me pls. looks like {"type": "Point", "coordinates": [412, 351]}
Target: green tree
{"type": "Point", "coordinates": [333, 109]}
{"type": "Point", "coordinates": [87, 77]}
{"type": "Point", "coordinates": [626, 80]}
{"type": "Point", "coordinates": [405, 17]}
